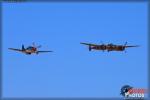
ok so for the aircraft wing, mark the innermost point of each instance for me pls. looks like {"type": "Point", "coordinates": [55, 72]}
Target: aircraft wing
{"type": "Point", "coordinates": [89, 44]}
{"type": "Point", "coordinates": [43, 51]}
{"type": "Point", "coordinates": [15, 49]}
{"type": "Point", "coordinates": [132, 46]}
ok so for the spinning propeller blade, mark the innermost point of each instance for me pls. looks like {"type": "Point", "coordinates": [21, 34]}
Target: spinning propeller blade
{"type": "Point", "coordinates": [39, 46]}
{"type": "Point", "coordinates": [36, 46]}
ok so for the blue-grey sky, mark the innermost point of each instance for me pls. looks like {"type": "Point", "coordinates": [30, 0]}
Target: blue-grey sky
{"type": "Point", "coordinates": [71, 70]}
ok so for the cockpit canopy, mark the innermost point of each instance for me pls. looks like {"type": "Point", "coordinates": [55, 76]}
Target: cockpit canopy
{"type": "Point", "coordinates": [29, 48]}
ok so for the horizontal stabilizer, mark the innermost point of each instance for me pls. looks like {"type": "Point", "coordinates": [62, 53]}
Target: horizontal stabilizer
{"type": "Point", "coordinates": [14, 49]}
{"type": "Point", "coordinates": [89, 44]}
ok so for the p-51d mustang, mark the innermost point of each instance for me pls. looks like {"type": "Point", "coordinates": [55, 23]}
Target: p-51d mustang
{"type": "Point", "coordinates": [30, 49]}
{"type": "Point", "coordinates": [108, 47]}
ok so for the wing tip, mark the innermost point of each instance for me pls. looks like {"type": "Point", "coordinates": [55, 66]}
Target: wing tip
{"type": "Point", "coordinates": [10, 48]}
{"type": "Point", "coordinates": [83, 43]}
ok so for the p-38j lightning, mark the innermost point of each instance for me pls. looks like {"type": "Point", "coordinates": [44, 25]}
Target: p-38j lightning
{"type": "Point", "coordinates": [30, 49]}
{"type": "Point", "coordinates": [108, 47]}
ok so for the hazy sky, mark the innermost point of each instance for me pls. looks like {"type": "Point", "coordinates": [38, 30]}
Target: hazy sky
{"type": "Point", "coordinates": [71, 70]}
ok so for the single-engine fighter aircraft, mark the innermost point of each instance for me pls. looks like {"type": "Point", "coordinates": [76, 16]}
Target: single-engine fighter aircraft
{"type": "Point", "coordinates": [108, 47]}
{"type": "Point", "coordinates": [30, 49]}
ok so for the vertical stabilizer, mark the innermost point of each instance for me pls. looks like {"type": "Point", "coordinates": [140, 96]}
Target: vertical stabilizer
{"type": "Point", "coordinates": [23, 48]}
{"type": "Point", "coordinates": [90, 48]}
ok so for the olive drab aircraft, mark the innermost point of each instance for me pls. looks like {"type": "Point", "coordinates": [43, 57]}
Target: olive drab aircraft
{"type": "Point", "coordinates": [108, 47]}
{"type": "Point", "coordinates": [30, 49]}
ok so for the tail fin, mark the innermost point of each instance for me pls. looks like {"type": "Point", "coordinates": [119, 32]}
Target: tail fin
{"type": "Point", "coordinates": [90, 48]}
{"type": "Point", "coordinates": [23, 47]}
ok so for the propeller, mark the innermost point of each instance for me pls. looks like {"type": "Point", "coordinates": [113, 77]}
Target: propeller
{"type": "Point", "coordinates": [36, 46]}
{"type": "Point", "coordinates": [110, 44]}
{"type": "Point", "coordinates": [125, 51]}
{"type": "Point", "coordinates": [102, 42]}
